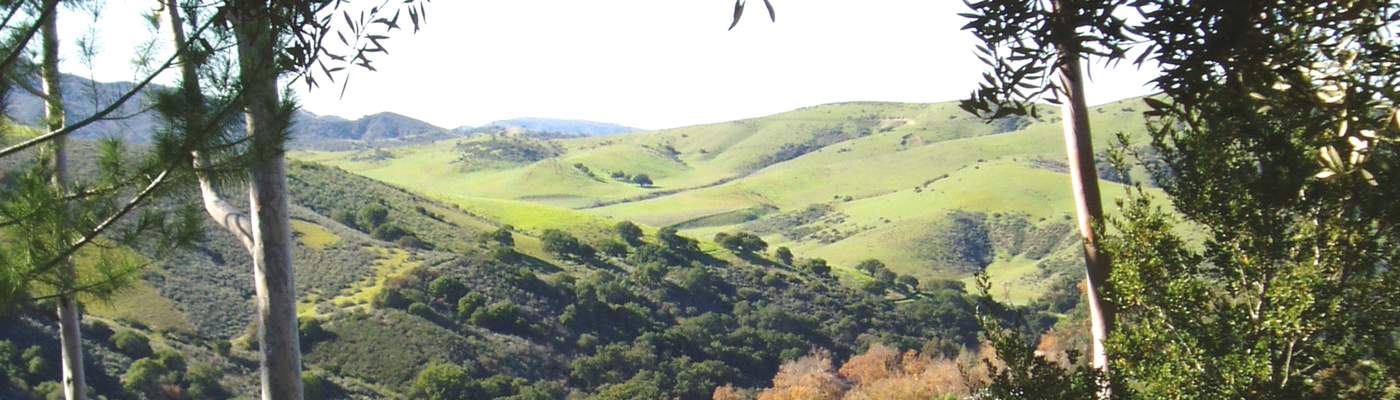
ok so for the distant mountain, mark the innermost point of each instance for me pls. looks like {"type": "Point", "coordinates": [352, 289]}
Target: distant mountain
{"type": "Point", "coordinates": [134, 123]}
{"type": "Point", "coordinates": [564, 126]}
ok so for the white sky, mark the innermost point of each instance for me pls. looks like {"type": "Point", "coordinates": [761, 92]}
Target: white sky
{"type": "Point", "coordinates": [644, 63]}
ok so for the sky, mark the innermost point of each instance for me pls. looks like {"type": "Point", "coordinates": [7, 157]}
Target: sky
{"type": "Point", "coordinates": [649, 64]}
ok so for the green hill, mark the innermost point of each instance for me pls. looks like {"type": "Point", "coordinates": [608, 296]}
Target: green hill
{"type": "Point", "coordinates": [880, 173]}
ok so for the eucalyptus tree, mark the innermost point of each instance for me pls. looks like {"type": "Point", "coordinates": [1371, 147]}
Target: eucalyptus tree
{"type": "Point", "coordinates": [1023, 42]}
{"type": "Point", "coordinates": [272, 40]}
{"type": "Point", "coordinates": [1275, 132]}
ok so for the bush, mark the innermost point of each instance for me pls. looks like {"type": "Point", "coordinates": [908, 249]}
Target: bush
{"type": "Point", "coordinates": [441, 382]}
{"type": "Point", "coordinates": [388, 232]}
{"type": "Point", "coordinates": [642, 180]}
{"type": "Point", "coordinates": [469, 304]}
{"type": "Point", "coordinates": [203, 381]}
{"type": "Point", "coordinates": [613, 248]}
{"type": "Point", "coordinates": [502, 235]}
{"type": "Point", "coordinates": [565, 245]}
{"type": "Point", "coordinates": [310, 330]}
{"type": "Point", "coordinates": [422, 310]}
{"type": "Point", "coordinates": [505, 317]}
{"type": "Point", "coordinates": [390, 297]}
{"type": "Point", "coordinates": [817, 267]}
{"type": "Point", "coordinates": [448, 288]}
{"type": "Point", "coordinates": [629, 232]}
{"type": "Point", "coordinates": [132, 344]}
{"type": "Point", "coordinates": [784, 255]}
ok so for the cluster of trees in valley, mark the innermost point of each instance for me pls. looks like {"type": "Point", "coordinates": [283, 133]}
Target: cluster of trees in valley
{"type": "Point", "coordinates": [1263, 268]}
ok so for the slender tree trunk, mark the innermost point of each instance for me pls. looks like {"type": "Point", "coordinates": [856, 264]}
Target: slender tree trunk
{"type": "Point", "coordinates": [1079, 148]}
{"type": "Point", "coordinates": [272, 235]}
{"type": "Point", "coordinates": [69, 334]}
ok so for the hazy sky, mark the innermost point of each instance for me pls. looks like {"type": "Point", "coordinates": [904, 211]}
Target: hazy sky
{"type": "Point", "coordinates": [644, 63]}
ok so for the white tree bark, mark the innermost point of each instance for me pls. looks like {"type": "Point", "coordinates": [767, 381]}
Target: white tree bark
{"type": "Point", "coordinates": [267, 235]}
{"type": "Point", "coordinates": [69, 331]}
{"type": "Point", "coordinates": [272, 234]}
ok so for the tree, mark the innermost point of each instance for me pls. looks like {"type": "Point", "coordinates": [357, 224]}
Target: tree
{"type": "Point", "coordinates": [1021, 41]}
{"type": "Point", "coordinates": [630, 232]}
{"type": "Point", "coordinates": [1277, 127]}
{"type": "Point", "coordinates": [742, 242]}
{"type": "Point", "coordinates": [448, 288]}
{"type": "Point", "coordinates": [871, 266]}
{"type": "Point", "coordinates": [502, 235]}
{"type": "Point", "coordinates": [269, 39]}
{"type": "Point", "coordinates": [564, 244]}
{"type": "Point", "coordinates": [784, 255]}
{"type": "Point", "coordinates": [372, 216]}
{"type": "Point", "coordinates": [441, 381]}
{"type": "Point", "coordinates": [817, 267]}
{"type": "Point", "coordinates": [642, 180]}
{"type": "Point", "coordinates": [673, 241]}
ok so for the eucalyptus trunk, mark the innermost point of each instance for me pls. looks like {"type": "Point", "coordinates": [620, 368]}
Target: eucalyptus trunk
{"type": "Point", "coordinates": [70, 336]}
{"type": "Point", "coordinates": [272, 234]}
{"type": "Point", "coordinates": [1084, 181]}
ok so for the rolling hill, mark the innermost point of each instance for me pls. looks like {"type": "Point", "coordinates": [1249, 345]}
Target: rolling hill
{"type": "Point", "coordinates": [845, 182]}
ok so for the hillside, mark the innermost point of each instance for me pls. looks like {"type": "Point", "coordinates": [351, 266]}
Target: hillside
{"type": "Point", "coordinates": [845, 182]}
{"type": "Point", "coordinates": [391, 282]}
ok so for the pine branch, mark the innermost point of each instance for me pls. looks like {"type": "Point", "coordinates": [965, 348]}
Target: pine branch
{"type": "Point", "coordinates": [27, 36]}
{"type": "Point", "coordinates": [100, 115]}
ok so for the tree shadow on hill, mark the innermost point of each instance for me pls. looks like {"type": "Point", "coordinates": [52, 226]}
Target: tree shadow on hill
{"type": "Point", "coordinates": [758, 260]}
{"type": "Point", "coordinates": [535, 264]}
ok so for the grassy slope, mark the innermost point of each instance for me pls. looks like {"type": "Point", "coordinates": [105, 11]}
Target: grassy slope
{"type": "Point", "coordinates": [715, 178]}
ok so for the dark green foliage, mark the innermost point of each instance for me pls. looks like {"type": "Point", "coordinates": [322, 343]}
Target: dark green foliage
{"type": "Point", "coordinates": [502, 236]}
{"type": "Point", "coordinates": [613, 248]}
{"type": "Point", "coordinates": [422, 310]}
{"type": "Point", "coordinates": [505, 317]}
{"type": "Point", "coordinates": [629, 232]}
{"type": "Point", "coordinates": [203, 382]}
{"type": "Point", "coordinates": [816, 266]}
{"type": "Point", "coordinates": [742, 242]}
{"type": "Point", "coordinates": [310, 331]}
{"type": "Point", "coordinates": [347, 218]}
{"type": "Point", "coordinates": [784, 255]}
{"type": "Point", "coordinates": [871, 267]}
{"type": "Point", "coordinates": [877, 288]}
{"type": "Point", "coordinates": [131, 343]}
{"type": "Point", "coordinates": [441, 382]}
{"type": "Point", "coordinates": [908, 281]}
{"type": "Point", "coordinates": [448, 289]}
{"type": "Point", "coordinates": [146, 376]}
{"type": "Point", "coordinates": [371, 217]}
{"type": "Point", "coordinates": [469, 304]}
{"type": "Point", "coordinates": [388, 232]}
{"type": "Point", "coordinates": [564, 244]}
{"type": "Point", "coordinates": [390, 298]}
{"type": "Point", "coordinates": [642, 180]}
{"type": "Point", "coordinates": [505, 254]}
{"type": "Point", "coordinates": [680, 245]}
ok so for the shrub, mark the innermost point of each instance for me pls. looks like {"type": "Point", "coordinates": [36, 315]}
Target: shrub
{"type": "Point", "coordinates": [784, 255]}
{"type": "Point", "coordinates": [629, 232]}
{"type": "Point", "coordinates": [448, 288]}
{"type": "Point", "coordinates": [441, 382]}
{"type": "Point", "coordinates": [613, 248]}
{"type": "Point", "coordinates": [422, 310]}
{"type": "Point", "coordinates": [132, 344]}
{"type": "Point", "coordinates": [642, 180]}
{"type": "Point", "coordinates": [502, 235]}
{"type": "Point", "coordinates": [390, 297]}
{"type": "Point", "coordinates": [505, 317]}
{"type": "Point", "coordinates": [469, 304]}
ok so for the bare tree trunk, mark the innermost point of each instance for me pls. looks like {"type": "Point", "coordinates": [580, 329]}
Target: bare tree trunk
{"type": "Point", "coordinates": [70, 337]}
{"type": "Point", "coordinates": [272, 235]}
{"type": "Point", "coordinates": [1079, 148]}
